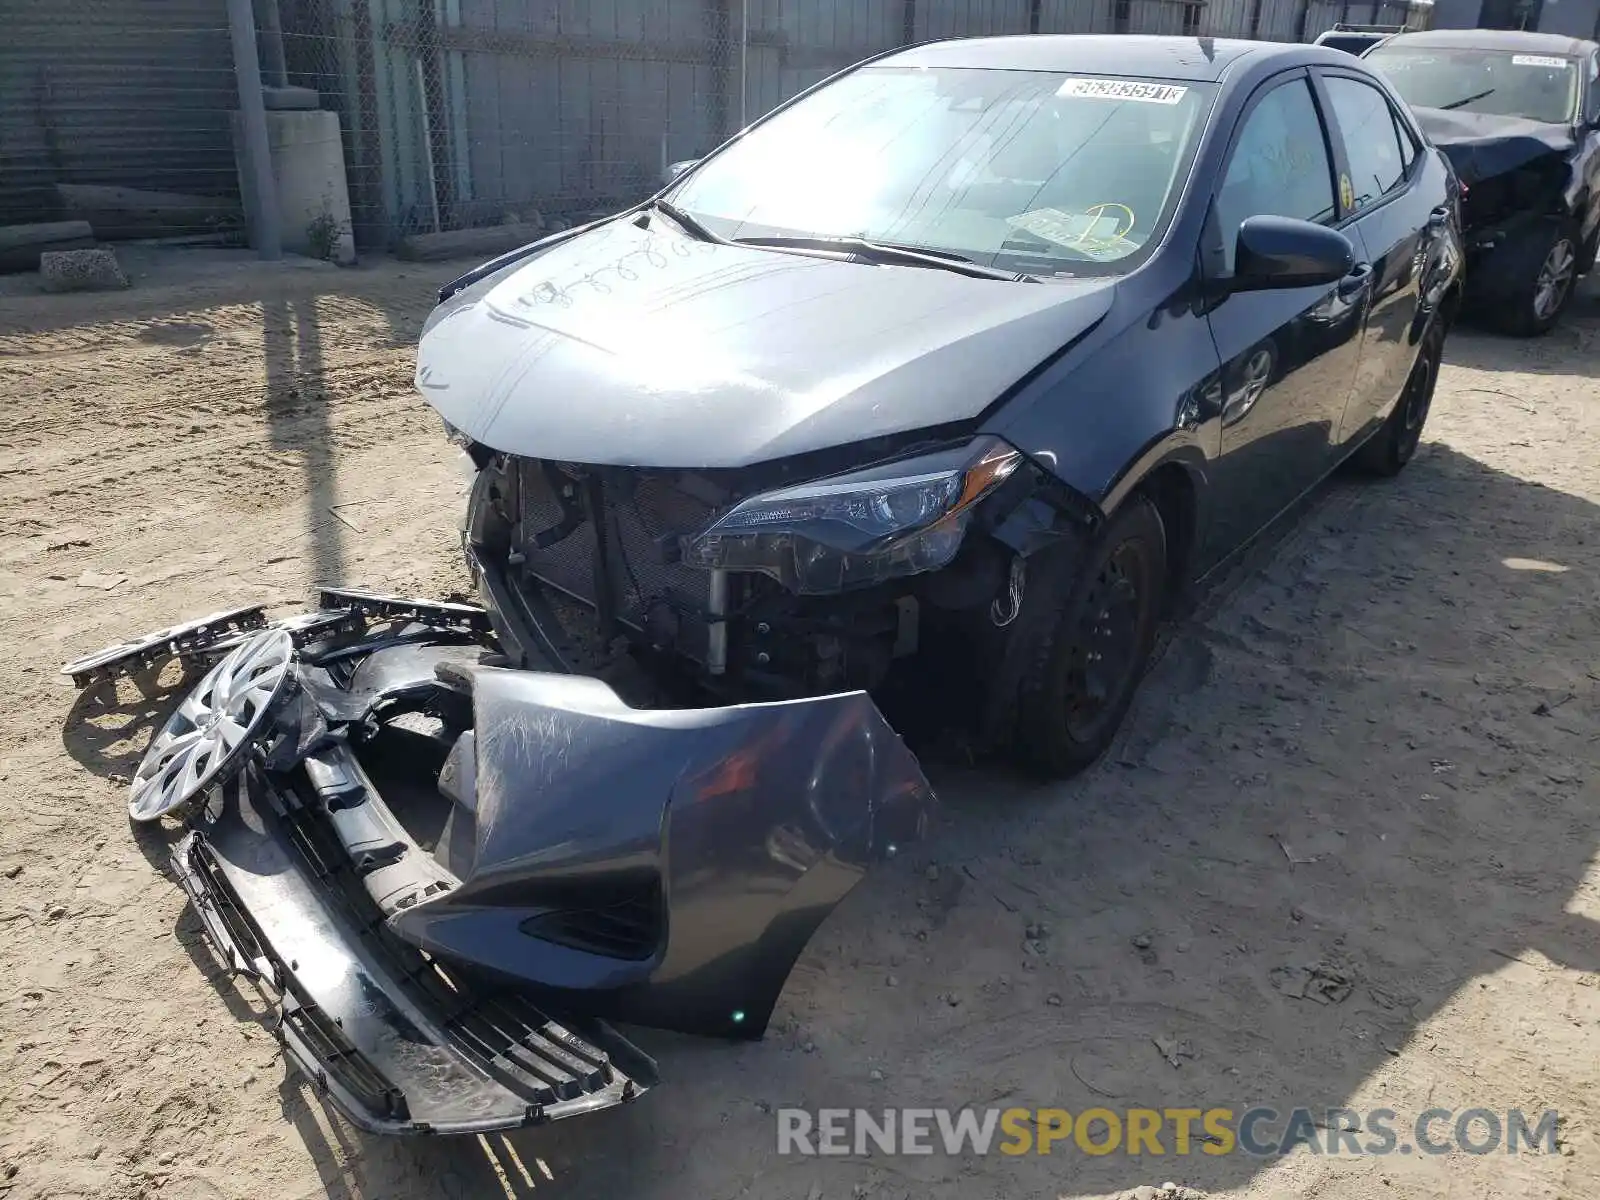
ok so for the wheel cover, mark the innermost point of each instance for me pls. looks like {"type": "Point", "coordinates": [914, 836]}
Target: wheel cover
{"type": "Point", "coordinates": [1105, 644]}
{"type": "Point", "coordinates": [1555, 279]}
{"type": "Point", "coordinates": [205, 741]}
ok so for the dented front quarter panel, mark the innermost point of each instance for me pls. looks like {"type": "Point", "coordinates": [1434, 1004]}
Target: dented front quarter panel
{"type": "Point", "coordinates": [753, 821]}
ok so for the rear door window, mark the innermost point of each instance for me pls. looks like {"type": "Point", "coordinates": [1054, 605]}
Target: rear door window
{"type": "Point", "coordinates": [1372, 142]}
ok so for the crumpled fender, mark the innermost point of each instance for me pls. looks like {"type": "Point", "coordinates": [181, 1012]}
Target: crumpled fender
{"type": "Point", "coordinates": [664, 867]}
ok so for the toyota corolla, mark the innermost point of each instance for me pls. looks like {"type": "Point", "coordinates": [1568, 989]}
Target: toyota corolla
{"type": "Point", "coordinates": [940, 383]}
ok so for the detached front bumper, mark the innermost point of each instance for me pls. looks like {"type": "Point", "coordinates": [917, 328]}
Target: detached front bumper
{"type": "Point", "coordinates": [396, 1043]}
{"type": "Point", "coordinates": [591, 861]}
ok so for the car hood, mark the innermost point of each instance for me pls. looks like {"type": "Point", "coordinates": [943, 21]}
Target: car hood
{"type": "Point", "coordinates": [1481, 146]}
{"type": "Point", "coordinates": [626, 346]}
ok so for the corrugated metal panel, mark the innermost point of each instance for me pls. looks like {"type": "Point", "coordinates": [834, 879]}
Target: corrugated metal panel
{"type": "Point", "coordinates": [795, 43]}
{"type": "Point", "coordinates": [133, 93]}
{"type": "Point", "coordinates": [570, 106]}
{"type": "Point", "coordinates": [1323, 15]}
{"type": "Point", "coordinates": [571, 103]}
{"type": "Point", "coordinates": [971, 18]}
{"type": "Point", "coordinates": [1075, 16]}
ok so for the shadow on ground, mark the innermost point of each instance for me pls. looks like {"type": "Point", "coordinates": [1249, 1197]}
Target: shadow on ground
{"type": "Point", "coordinates": [1358, 774]}
{"type": "Point", "coordinates": [1568, 349]}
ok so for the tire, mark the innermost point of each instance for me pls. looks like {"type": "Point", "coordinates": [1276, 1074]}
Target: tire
{"type": "Point", "coordinates": [1531, 277]}
{"type": "Point", "coordinates": [1587, 255]}
{"type": "Point", "coordinates": [1066, 716]}
{"type": "Point", "coordinates": [1393, 446]}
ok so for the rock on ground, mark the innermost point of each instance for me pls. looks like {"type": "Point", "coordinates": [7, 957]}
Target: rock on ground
{"type": "Point", "coordinates": [94, 270]}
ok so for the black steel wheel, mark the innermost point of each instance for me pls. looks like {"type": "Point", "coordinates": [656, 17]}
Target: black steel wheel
{"type": "Point", "coordinates": [1394, 445]}
{"type": "Point", "coordinates": [1086, 665]}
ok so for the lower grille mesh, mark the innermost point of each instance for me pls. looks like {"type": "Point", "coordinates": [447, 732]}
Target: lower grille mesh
{"type": "Point", "coordinates": [517, 1044]}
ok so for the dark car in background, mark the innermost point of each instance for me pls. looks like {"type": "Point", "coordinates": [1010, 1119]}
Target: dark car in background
{"type": "Point", "coordinates": [947, 377]}
{"type": "Point", "coordinates": [1356, 39]}
{"type": "Point", "coordinates": [1518, 114]}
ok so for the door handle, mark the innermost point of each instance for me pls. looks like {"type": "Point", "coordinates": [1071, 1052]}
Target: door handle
{"type": "Point", "coordinates": [1356, 281]}
{"type": "Point", "coordinates": [1438, 217]}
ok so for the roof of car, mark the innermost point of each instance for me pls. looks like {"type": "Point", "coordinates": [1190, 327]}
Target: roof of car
{"type": "Point", "coordinates": [1494, 39]}
{"type": "Point", "coordinates": [1199, 60]}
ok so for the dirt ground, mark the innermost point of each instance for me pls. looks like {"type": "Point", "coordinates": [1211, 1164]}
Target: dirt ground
{"type": "Point", "coordinates": [1372, 753]}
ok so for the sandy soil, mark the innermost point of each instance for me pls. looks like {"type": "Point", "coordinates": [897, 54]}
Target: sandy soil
{"type": "Point", "coordinates": [1372, 753]}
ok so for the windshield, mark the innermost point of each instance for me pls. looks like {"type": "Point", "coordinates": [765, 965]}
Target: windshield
{"type": "Point", "coordinates": [1029, 171]}
{"type": "Point", "coordinates": [1539, 87]}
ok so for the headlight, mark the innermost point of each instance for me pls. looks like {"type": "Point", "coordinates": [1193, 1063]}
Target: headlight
{"type": "Point", "coordinates": [897, 519]}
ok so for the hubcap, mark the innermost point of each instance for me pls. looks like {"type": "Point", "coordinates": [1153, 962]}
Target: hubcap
{"type": "Point", "coordinates": [205, 740]}
{"type": "Point", "coordinates": [1555, 277]}
{"type": "Point", "coordinates": [1106, 643]}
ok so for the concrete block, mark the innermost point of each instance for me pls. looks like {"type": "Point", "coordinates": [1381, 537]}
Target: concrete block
{"type": "Point", "coordinates": [94, 270]}
{"type": "Point", "coordinates": [313, 194]}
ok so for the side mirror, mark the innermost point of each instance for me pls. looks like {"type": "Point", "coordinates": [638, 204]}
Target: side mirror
{"type": "Point", "coordinates": [678, 168]}
{"type": "Point", "coordinates": [1284, 252]}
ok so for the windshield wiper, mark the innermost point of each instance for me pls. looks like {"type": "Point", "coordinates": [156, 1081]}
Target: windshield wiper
{"type": "Point", "coordinates": [691, 224]}
{"type": "Point", "coordinates": [1467, 99]}
{"type": "Point", "coordinates": [889, 252]}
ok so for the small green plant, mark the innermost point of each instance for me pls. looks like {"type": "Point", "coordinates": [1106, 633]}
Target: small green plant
{"type": "Point", "coordinates": [323, 235]}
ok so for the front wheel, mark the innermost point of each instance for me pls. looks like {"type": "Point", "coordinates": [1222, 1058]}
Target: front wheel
{"type": "Point", "coordinates": [1085, 664]}
{"type": "Point", "coordinates": [1531, 278]}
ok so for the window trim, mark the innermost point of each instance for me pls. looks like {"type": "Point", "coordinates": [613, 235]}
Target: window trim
{"type": "Point", "coordinates": [1398, 114]}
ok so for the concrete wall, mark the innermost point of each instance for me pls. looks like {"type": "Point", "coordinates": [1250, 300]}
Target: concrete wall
{"type": "Point", "coordinates": [1456, 14]}
{"type": "Point", "coordinates": [1575, 18]}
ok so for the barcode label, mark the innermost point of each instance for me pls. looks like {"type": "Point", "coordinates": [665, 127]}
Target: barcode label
{"type": "Point", "coordinates": [1123, 89]}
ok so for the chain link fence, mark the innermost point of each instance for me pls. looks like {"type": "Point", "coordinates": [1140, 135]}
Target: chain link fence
{"type": "Point", "coordinates": [461, 114]}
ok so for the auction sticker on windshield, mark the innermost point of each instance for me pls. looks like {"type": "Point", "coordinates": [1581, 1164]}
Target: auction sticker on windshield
{"type": "Point", "coordinates": [1123, 89]}
{"type": "Point", "coordinates": [1537, 60]}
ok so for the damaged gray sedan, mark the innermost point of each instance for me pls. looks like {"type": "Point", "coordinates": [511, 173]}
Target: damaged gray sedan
{"type": "Point", "coordinates": [869, 406]}
{"type": "Point", "coordinates": [452, 876]}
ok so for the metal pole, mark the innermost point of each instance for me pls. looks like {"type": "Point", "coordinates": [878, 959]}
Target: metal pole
{"type": "Point", "coordinates": [427, 134]}
{"type": "Point", "coordinates": [261, 191]}
{"type": "Point", "coordinates": [272, 40]}
{"type": "Point", "coordinates": [744, 58]}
